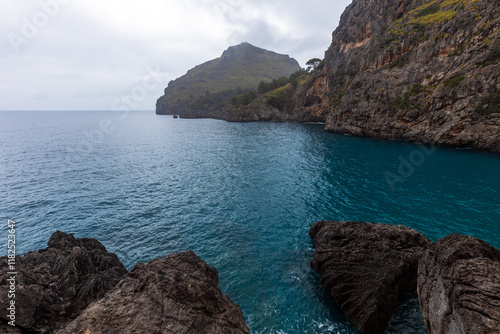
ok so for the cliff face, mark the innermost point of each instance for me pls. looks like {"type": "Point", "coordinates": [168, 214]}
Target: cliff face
{"type": "Point", "coordinates": [424, 71]}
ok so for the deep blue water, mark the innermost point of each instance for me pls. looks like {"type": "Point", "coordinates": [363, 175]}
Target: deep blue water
{"type": "Point", "coordinates": [241, 195]}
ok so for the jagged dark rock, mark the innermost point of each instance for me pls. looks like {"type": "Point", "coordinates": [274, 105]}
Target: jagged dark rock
{"type": "Point", "coordinates": [459, 286]}
{"type": "Point", "coordinates": [425, 71]}
{"type": "Point", "coordinates": [54, 285]}
{"type": "Point", "coordinates": [178, 293]}
{"type": "Point", "coordinates": [366, 268]}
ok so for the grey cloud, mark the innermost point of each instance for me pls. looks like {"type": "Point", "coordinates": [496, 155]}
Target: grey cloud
{"type": "Point", "coordinates": [80, 62]}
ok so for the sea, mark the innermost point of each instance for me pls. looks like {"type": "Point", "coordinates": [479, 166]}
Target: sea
{"type": "Point", "coordinates": [241, 195]}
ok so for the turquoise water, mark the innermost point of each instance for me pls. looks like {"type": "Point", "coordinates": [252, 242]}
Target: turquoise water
{"type": "Point", "coordinates": [241, 195]}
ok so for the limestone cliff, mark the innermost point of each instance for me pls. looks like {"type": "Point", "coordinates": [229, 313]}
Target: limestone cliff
{"type": "Point", "coordinates": [419, 70]}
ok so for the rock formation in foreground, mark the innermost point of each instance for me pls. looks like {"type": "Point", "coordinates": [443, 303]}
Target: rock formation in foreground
{"type": "Point", "coordinates": [459, 286]}
{"type": "Point", "coordinates": [54, 285]}
{"type": "Point", "coordinates": [366, 268]}
{"type": "Point", "coordinates": [178, 293]}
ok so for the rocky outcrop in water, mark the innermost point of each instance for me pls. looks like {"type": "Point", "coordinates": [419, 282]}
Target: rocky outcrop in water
{"type": "Point", "coordinates": [54, 285]}
{"type": "Point", "coordinates": [178, 293]}
{"type": "Point", "coordinates": [459, 286]}
{"type": "Point", "coordinates": [366, 268]}
{"type": "Point", "coordinates": [425, 71]}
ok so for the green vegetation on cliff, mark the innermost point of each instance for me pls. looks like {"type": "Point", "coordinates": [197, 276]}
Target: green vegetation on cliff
{"type": "Point", "coordinates": [210, 86]}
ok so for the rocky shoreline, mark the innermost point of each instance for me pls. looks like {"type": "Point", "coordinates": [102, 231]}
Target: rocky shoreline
{"type": "Point", "coordinates": [367, 267]}
{"type": "Point", "coordinates": [76, 286]}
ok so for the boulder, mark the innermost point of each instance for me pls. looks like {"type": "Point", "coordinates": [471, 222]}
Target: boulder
{"type": "Point", "coordinates": [54, 285]}
{"type": "Point", "coordinates": [459, 286]}
{"type": "Point", "coordinates": [366, 268]}
{"type": "Point", "coordinates": [178, 293]}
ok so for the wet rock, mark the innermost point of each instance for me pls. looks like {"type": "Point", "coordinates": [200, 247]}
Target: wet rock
{"type": "Point", "coordinates": [366, 268]}
{"type": "Point", "coordinates": [178, 293]}
{"type": "Point", "coordinates": [54, 285]}
{"type": "Point", "coordinates": [459, 286]}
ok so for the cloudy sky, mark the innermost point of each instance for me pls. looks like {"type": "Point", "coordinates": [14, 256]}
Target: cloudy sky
{"type": "Point", "coordinates": [111, 54]}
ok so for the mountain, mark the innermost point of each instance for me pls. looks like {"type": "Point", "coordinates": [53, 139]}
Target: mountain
{"type": "Point", "coordinates": [418, 70]}
{"type": "Point", "coordinates": [208, 87]}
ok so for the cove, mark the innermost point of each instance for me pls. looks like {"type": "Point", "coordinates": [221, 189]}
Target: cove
{"type": "Point", "coordinates": [241, 195]}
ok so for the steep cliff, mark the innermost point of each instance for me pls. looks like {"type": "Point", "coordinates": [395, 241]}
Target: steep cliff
{"type": "Point", "coordinates": [208, 87]}
{"type": "Point", "coordinates": [418, 70]}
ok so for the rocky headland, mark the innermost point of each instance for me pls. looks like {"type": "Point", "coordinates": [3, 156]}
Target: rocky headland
{"type": "Point", "coordinates": [205, 89]}
{"type": "Point", "coordinates": [459, 286]}
{"type": "Point", "coordinates": [367, 267]}
{"type": "Point", "coordinates": [424, 71]}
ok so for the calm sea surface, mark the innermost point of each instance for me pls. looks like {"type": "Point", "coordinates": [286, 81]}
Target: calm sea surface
{"type": "Point", "coordinates": [241, 195]}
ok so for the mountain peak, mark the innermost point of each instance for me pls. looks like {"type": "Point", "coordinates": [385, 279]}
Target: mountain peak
{"type": "Point", "coordinates": [243, 49]}
{"type": "Point", "coordinates": [240, 68]}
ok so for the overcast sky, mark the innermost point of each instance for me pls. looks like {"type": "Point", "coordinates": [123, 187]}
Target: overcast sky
{"type": "Point", "coordinates": [112, 54]}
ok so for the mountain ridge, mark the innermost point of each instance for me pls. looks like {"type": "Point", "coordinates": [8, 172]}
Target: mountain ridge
{"type": "Point", "coordinates": [240, 68]}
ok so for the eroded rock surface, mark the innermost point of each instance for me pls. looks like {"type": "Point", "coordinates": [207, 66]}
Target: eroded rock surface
{"type": "Point", "coordinates": [178, 293]}
{"type": "Point", "coordinates": [425, 71]}
{"type": "Point", "coordinates": [54, 285]}
{"type": "Point", "coordinates": [459, 286]}
{"type": "Point", "coordinates": [366, 268]}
